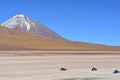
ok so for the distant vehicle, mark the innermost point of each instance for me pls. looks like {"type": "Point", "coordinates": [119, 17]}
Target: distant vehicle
{"type": "Point", "coordinates": [116, 71]}
{"type": "Point", "coordinates": [63, 69]}
{"type": "Point", "coordinates": [94, 69]}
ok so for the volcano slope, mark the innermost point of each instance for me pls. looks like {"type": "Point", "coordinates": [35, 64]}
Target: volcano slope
{"type": "Point", "coordinates": [18, 40]}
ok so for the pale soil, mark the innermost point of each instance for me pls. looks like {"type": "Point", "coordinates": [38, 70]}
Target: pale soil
{"type": "Point", "coordinates": [20, 66]}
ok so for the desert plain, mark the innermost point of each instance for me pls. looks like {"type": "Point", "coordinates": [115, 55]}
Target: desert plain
{"type": "Point", "coordinates": [45, 65]}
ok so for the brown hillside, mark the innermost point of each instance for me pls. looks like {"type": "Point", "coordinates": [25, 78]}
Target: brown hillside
{"type": "Point", "coordinates": [17, 40]}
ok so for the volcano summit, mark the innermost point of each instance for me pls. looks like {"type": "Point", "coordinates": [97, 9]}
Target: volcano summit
{"type": "Point", "coordinates": [24, 23]}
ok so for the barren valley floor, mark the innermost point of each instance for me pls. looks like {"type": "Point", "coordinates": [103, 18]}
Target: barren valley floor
{"type": "Point", "coordinates": [38, 65]}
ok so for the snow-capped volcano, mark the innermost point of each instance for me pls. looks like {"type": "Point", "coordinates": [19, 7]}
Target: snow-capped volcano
{"type": "Point", "coordinates": [24, 23]}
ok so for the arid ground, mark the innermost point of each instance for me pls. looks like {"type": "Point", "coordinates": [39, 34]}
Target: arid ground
{"type": "Point", "coordinates": [35, 65]}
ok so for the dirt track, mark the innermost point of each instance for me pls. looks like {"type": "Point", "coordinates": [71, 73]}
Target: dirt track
{"type": "Point", "coordinates": [45, 66]}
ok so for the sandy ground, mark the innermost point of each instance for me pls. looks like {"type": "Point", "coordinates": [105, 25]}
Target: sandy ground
{"type": "Point", "coordinates": [16, 66]}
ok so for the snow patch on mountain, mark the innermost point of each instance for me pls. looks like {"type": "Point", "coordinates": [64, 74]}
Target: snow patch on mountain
{"type": "Point", "coordinates": [18, 20]}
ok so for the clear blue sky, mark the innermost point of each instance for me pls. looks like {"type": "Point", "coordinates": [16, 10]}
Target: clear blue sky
{"type": "Point", "coordinates": [95, 21]}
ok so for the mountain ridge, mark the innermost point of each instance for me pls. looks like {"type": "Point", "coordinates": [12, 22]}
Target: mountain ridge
{"type": "Point", "coordinates": [15, 36]}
